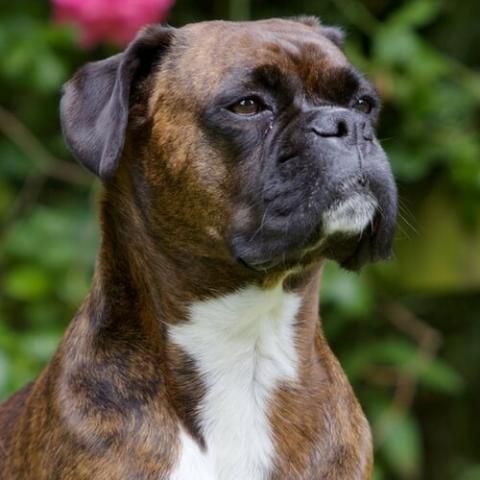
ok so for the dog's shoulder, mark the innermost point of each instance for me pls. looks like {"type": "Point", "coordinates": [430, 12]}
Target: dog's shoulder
{"type": "Point", "coordinates": [10, 412]}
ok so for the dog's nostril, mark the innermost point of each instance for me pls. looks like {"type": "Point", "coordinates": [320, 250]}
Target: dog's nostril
{"type": "Point", "coordinates": [342, 129]}
{"type": "Point", "coordinates": [286, 157]}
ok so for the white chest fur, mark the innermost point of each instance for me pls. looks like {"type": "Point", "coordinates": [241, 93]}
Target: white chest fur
{"type": "Point", "coordinates": [243, 345]}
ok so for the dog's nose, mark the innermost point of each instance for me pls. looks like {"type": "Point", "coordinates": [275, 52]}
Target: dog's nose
{"type": "Point", "coordinates": [341, 123]}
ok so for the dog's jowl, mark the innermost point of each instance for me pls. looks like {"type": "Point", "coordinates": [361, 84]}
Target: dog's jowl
{"type": "Point", "coordinates": [235, 158]}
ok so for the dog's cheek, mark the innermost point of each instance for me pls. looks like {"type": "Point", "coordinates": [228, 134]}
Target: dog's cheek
{"type": "Point", "coordinates": [185, 186]}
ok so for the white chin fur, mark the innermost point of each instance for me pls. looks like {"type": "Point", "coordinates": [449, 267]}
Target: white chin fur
{"type": "Point", "coordinates": [350, 216]}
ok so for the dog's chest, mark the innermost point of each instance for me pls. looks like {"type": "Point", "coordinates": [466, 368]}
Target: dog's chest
{"type": "Point", "coordinates": [244, 347]}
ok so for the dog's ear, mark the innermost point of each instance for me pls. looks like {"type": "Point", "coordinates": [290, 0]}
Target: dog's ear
{"type": "Point", "coordinates": [334, 34]}
{"type": "Point", "coordinates": [95, 102]}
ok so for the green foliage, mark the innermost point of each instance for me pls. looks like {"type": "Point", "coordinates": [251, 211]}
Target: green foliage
{"type": "Point", "coordinates": [406, 332]}
{"type": "Point", "coordinates": [405, 358]}
{"type": "Point", "coordinates": [400, 442]}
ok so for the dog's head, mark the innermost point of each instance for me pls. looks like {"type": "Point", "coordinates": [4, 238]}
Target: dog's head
{"type": "Point", "coordinates": [251, 142]}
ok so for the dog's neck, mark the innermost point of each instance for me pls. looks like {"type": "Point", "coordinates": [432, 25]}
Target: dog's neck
{"type": "Point", "coordinates": [223, 349]}
{"type": "Point", "coordinates": [145, 263]}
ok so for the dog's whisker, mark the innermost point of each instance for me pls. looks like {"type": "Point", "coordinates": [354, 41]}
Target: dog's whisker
{"type": "Point", "coordinates": [260, 228]}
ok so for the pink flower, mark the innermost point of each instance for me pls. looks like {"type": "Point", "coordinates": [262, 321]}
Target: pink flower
{"type": "Point", "coordinates": [116, 21]}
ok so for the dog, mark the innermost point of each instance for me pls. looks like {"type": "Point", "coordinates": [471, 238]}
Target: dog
{"type": "Point", "coordinates": [236, 158]}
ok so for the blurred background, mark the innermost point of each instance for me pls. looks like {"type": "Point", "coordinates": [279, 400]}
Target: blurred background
{"type": "Point", "coordinates": [407, 332]}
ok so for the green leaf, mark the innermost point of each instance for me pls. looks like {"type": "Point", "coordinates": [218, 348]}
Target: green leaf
{"type": "Point", "coordinates": [437, 375]}
{"type": "Point", "coordinates": [392, 352]}
{"type": "Point", "coordinates": [395, 45]}
{"type": "Point", "coordinates": [400, 442]}
{"type": "Point", "coordinates": [378, 473]}
{"type": "Point", "coordinates": [472, 472]}
{"type": "Point", "coordinates": [48, 72]}
{"type": "Point", "coordinates": [415, 13]}
{"type": "Point", "coordinates": [349, 292]}
{"type": "Point", "coordinates": [408, 166]}
{"type": "Point", "coordinates": [27, 282]}
{"type": "Point", "coordinates": [40, 346]}
{"type": "Point", "coordinates": [406, 358]}
{"type": "Point", "coordinates": [6, 197]}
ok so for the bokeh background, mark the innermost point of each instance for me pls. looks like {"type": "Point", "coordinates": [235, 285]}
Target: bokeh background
{"type": "Point", "coordinates": [407, 332]}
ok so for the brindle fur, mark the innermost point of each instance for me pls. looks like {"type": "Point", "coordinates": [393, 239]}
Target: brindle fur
{"type": "Point", "coordinates": [110, 403]}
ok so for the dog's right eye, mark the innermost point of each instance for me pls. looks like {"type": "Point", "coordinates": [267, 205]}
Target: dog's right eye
{"type": "Point", "coordinates": [248, 106]}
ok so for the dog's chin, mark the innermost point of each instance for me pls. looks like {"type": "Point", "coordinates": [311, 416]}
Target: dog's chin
{"type": "Point", "coordinates": [350, 252]}
{"type": "Point", "coordinates": [351, 228]}
{"type": "Point", "coordinates": [348, 233]}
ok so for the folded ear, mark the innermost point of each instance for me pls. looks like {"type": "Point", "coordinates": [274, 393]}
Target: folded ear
{"type": "Point", "coordinates": [334, 34]}
{"type": "Point", "coordinates": [95, 102]}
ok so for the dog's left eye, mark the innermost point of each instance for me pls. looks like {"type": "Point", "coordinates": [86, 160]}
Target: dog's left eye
{"type": "Point", "coordinates": [247, 106]}
{"type": "Point", "coordinates": [364, 104]}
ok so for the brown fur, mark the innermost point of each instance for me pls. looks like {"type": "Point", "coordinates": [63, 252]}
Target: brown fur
{"type": "Point", "coordinates": [110, 403]}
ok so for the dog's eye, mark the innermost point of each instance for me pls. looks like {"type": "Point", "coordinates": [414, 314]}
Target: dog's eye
{"type": "Point", "coordinates": [364, 105]}
{"type": "Point", "coordinates": [247, 106]}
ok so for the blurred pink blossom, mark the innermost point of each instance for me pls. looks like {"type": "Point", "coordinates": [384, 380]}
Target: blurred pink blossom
{"type": "Point", "coordinates": [116, 21]}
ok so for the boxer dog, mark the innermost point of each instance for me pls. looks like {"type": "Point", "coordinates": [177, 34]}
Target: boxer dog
{"type": "Point", "coordinates": [235, 158]}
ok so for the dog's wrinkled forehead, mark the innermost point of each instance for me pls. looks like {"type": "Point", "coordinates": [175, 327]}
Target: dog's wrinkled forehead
{"type": "Point", "coordinates": [167, 72]}
{"type": "Point", "coordinates": [208, 54]}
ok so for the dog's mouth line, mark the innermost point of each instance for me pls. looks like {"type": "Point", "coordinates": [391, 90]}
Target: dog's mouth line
{"type": "Point", "coordinates": [363, 248]}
